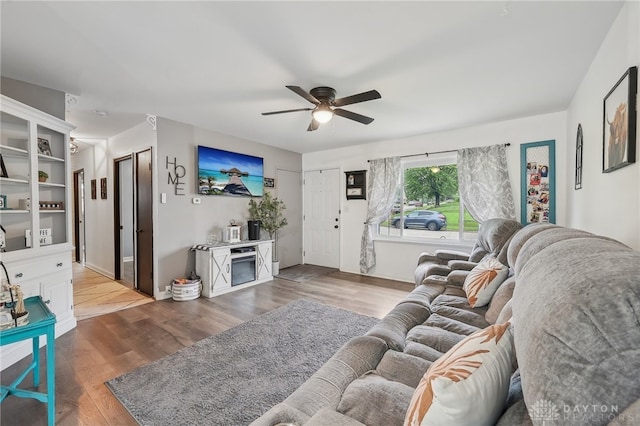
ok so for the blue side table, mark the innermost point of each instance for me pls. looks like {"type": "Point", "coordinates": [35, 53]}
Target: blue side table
{"type": "Point", "coordinates": [41, 322]}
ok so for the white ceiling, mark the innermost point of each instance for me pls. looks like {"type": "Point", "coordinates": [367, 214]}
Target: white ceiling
{"type": "Point", "coordinates": [218, 65]}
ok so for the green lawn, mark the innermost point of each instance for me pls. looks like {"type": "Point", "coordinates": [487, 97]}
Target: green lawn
{"type": "Point", "coordinates": [452, 212]}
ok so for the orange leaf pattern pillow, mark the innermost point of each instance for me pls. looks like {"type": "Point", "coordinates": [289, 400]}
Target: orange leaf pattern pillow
{"type": "Point", "coordinates": [483, 281]}
{"type": "Point", "coordinates": [469, 384]}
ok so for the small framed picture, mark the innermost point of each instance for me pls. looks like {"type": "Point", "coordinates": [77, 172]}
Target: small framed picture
{"type": "Point", "coordinates": [269, 183]}
{"type": "Point", "coordinates": [93, 189]}
{"type": "Point", "coordinates": [43, 146]}
{"type": "Point", "coordinates": [103, 188]}
{"type": "Point", "coordinates": [3, 202]}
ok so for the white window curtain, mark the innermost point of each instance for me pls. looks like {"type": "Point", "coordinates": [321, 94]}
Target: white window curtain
{"type": "Point", "coordinates": [483, 183]}
{"type": "Point", "coordinates": [384, 178]}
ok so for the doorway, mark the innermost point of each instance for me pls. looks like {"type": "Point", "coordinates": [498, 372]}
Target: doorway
{"type": "Point", "coordinates": [322, 218]}
{"type": "Point", "coordinates": [78, 217]}
{"type": "Point", "coordinates": [288, 189]}
{"type": "Point", "coordinates": [133, 236]}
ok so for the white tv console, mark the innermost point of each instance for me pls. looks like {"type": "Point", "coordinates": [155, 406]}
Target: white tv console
{"type": "Point", "coordinates": [226, 267]}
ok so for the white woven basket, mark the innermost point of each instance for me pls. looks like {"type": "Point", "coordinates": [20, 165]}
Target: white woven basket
{"type": "Point", "coordinates": [187, 291]}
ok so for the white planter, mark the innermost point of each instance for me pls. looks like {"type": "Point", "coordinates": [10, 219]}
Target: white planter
{"type": "Point", "coordinates": [275, 268]}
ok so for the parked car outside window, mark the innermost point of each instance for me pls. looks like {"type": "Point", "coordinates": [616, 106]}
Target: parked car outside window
{"type": "Point", "coordinates": [427, 219]}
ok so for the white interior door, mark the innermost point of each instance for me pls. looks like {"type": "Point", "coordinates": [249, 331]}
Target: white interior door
{"type": "Point", "coordinates": [322, 218]}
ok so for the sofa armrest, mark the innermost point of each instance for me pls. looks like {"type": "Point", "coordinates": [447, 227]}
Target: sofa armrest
{"type": "Point", "coordinates": [457, 278]}
{"type": "Point", "coordinates": [447, 255]}
{"type": "Point", "coordinates": [428, 258]}
{"type": "Point", "coordinates": [461, 265]}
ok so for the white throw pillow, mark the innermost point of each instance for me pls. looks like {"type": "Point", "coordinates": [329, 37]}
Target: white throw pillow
{"type": "Point", "coordinates": [483, 281]}
{"type": "Point", "coordinates": [469, 384]}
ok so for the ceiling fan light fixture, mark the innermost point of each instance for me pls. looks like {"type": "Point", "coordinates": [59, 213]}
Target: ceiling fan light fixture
{"type": "Point", "coordinates": [322, 114]}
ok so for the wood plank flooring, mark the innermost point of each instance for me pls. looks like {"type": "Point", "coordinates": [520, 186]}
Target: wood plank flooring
{"type": "Point", "coordinates": [94, 294]}
{"type": "Point", "coordinates": [103, 347]}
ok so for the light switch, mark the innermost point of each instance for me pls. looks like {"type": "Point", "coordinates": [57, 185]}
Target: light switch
{"type": "Point", "coordinates": [163, 198]}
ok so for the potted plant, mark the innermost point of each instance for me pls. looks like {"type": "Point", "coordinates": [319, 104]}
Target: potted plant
{"type": "Point", "coordinates": [42, 176]}
{"type": "Point", "coordinates": [270, 212]}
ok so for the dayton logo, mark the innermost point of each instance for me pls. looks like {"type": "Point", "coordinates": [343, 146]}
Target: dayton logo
{"type": "Point", "coordinates": [544, 411]}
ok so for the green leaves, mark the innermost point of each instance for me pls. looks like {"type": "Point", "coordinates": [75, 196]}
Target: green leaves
{"type": "Point", "coordinates": [269, 211]}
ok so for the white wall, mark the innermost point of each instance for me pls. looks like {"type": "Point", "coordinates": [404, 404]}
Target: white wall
{"type": "Point", "coordinates": [397, 260]}
{"type": "Point", "coordinates": [608, 203]}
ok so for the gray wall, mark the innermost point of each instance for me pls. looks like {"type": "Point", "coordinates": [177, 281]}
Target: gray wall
{"type": "Point", "coordinates": [181, 224]}
{"type": "Point", "coordinates": [42, 98]}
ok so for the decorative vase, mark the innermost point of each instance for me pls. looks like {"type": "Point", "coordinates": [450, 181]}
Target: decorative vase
{"type": "Point", "coordinates": [275, 267]}
{"type": "Point", "coordinates": [254, 229]}
{"type": "Point", "coordinates": [42, 179]}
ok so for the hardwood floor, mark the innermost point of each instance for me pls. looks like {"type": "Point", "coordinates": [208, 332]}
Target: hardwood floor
{"type": "Point", "coordinates": [94, 294]}
{"type": "Point", "coordinates": [107, 346]}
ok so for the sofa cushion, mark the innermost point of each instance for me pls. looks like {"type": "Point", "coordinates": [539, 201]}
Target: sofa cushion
{"type": "Point", "coordinates": [483, 281]}
{"type": "Point", "coordinates": [502, 295]}
{"type": "Point", "coordinates": [469, 384]}
{"type": "Point", "coordinates": [394, 326]}
{"type": "Point", "coordinates": [374, 400]}
{"type": "Point", "coordinates": [402, 367]}
{"type": "Point", "coordinates": [576, 310]}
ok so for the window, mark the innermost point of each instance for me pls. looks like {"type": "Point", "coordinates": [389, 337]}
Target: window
{"type": "Point", "coordinates": [428, 204]}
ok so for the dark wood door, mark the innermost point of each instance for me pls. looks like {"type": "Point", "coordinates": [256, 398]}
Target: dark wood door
{"type": "Point", "coordinates": [144, 222]}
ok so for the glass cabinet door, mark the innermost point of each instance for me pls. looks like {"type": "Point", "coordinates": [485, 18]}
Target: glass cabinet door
{"type": "Point", "coordinates": [15, 185]}
{"type": "Point", "coordinates": [34, 185]}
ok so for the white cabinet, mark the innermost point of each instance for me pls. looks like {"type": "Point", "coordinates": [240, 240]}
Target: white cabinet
{"type": "Point", "coordinates": [226, 267]}
{"type": "Point", "coordinates": [264, 260]}
{"type": "Point", "coordinates": [214, 268]}
{"type": "Point", "coordinates": [35, 212]}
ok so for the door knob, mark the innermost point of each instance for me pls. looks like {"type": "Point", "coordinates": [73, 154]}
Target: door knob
{"type": "Point", "coordinates": [336, 226]}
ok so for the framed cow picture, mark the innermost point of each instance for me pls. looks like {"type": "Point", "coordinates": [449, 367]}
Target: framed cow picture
{"type": "Point", "coordinates": [619, 123]}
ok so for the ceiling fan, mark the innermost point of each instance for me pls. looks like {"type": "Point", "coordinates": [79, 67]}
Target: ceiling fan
{"type": "Point", "coordinates": [326, 105]}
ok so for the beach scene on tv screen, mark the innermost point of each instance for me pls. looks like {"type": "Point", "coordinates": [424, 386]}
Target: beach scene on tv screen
{"type": "Point", "coordinates": [229, 173]}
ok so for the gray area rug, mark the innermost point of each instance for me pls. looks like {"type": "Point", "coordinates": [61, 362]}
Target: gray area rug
{"type": "Point", "coordinates": [234, 377]}
{"type": "Point", "coordinates": [302, 273]}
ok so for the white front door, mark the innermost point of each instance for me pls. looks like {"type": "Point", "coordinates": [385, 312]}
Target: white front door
{"type": "Point", "coordinates": [322, 218]}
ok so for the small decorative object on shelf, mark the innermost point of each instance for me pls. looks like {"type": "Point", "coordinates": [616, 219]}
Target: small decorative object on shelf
{"type": "Point", "coordinates": [3, 169]}
{"type": "Point", "coordinates": [43, 146]}
{"type": "Point", "coordinates": [3, 202]}
{"type": "Point", "coordinates": [42, 176]}
{"type": "Point", "coordinates": [46, 238]}
{"type": "Point", "coordinates": [51, 205]}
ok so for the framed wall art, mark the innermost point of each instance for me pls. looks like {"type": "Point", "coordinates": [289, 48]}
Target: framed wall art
{"type": "Point", "coordinates": [93, 189]}
{"type": "Point", "coordinates": [269, 183]}
{"type": "Point", "coordinates": [538, 182]}
{"type": "Point", "coordinates": [356, 185]}
{"type": "Point", "coordinates": [103, 188]}
{"type": "Point", "coordinates": [579, 143]}
{"type": "Point", "coordinates": [619, 123]}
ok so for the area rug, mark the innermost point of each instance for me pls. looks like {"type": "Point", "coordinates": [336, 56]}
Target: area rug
{"type": "Point", "coordinates": [302, 273]}
{"type": "Point", "coordinates": [234, 377]}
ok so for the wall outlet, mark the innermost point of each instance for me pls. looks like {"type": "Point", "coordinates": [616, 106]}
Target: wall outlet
{"type": "Point", "coordinates": [195, 200]}
{"type": "Point", "coordinates": [167, 289]}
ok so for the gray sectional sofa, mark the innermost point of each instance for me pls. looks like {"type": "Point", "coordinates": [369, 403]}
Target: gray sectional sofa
{"type": "Point", "coordinates": [574, 303]}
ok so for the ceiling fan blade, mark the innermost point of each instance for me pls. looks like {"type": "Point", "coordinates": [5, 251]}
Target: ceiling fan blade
{"type": "Point", "coordinates": [353, 116]}
{"type": "Point", "coordinates": [360, 97]}
{"type": "Point", "coordinates": [287, 110]}
{"type": "Point", "coordinates": [313, 125]}
{"type": "Point", "coordinates": [301, 92]}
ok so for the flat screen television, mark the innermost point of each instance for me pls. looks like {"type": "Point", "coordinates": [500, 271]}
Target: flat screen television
{"type": "Point", "coordinates": [229, 173]}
